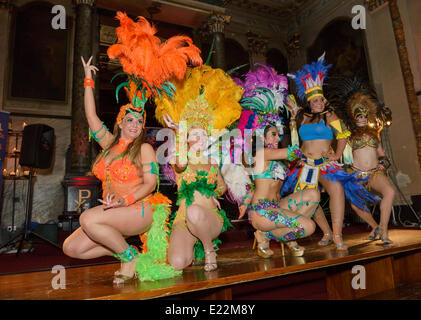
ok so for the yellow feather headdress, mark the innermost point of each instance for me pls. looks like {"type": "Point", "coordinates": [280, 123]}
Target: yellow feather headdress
{"type": "Point", "coordinates": [206, 96]}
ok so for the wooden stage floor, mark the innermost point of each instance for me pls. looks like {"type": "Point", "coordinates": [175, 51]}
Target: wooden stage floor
{"type": "Point", "coordinates": [386, 267]}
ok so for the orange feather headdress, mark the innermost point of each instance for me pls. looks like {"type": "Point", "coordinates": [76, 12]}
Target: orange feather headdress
{"type": "Point", "coordinates": [149, 63]}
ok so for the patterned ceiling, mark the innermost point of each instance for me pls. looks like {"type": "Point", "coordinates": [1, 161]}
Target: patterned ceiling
{"type": "Point", "coordinates": [276, 8]}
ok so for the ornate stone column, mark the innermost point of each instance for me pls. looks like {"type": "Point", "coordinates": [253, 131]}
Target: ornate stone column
{"type": "Point", "coordinates": [5, 8]}
{"type": "Point", "coordinates": [257, 46]}
{"type": "Point", "coordinates": [79, 147]}
{"type": "Point", "coordinates": [81, 191]}
{"type": "Point", "coordinates": [96, 26]}
{"type": "Point", "coordinates": [216, 24]}
{"type": "Point", "coordinates": [414, 107]}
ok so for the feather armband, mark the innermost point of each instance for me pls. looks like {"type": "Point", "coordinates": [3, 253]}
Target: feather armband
{"type": "Point", "coordinates": [341, 131]}
{"type": "Point", "coordinates": [385, 162]}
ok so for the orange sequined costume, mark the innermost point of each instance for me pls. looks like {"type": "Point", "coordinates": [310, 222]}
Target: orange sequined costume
{"type": "Point", "coordinates": [121, 176]}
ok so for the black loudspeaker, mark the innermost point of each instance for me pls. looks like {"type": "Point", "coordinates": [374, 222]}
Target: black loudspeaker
{"type": "Point", "coordinates": [37, 146]}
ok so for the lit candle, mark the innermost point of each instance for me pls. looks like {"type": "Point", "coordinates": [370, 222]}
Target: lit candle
{"type": "Point", "coordinates": [24, 124]}
{"type": "Point", "coordinates": [4, 172]}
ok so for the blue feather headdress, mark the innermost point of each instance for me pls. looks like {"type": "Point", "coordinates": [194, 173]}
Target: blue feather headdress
{"type": "Point", "coordinates": [310, 78]}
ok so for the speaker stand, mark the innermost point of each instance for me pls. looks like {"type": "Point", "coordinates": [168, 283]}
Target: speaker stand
{"type": "Point", "coordinates": [26, 232]}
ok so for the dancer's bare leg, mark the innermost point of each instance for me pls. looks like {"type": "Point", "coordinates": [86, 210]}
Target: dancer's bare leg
{"type": "Point", "coordinates": [382, 184]}
{"type": "Point", "coordinates": [307, 200]}
{"type": "Point", "coordinates": [181, 248]}
{"type": "Point", "coordinates": [337, 209]}
{"type": "Point", "coordinates": [263, 224]}
{"type": "Point", "coordinates": [367, 217]}
{"type": "Point", "coordinates": [320, 219]}
{"type": "Point", "coordinates": [202, 224]}
{"type": "Point", "coordinates": [105, 231]}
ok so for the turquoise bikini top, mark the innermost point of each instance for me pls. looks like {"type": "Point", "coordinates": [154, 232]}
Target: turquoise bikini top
{"type": "Point", "coordinates": [315, 131]}
{"type": "Point", "coordinates": [276, 171]}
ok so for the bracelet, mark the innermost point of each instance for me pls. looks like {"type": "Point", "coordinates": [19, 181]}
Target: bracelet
{"type": "Point", "coordinates": [385, 162]}
{"type": "Point", "coordinates": [130, 199]}
{"type": "Point", "coordinates": [88, 82]}
{"type": "Point", "coordinates": [293, 153]}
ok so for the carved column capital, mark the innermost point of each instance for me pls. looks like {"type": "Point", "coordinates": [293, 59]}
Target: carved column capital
{"type": "Point", "coordinates": [293, 44]}
{"type": "Point", "coordinates": [217, 22]}
{"type": "Point", "coordinates": [257, 44]}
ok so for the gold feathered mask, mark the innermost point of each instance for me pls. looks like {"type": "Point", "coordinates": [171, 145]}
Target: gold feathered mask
{"type": "Point", "coordinates": [362, 104]}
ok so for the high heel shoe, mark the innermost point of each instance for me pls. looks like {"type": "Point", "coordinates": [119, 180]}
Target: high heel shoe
{"type": "Point", "coordinates": [120, 278]}
{"type": "Point", "coordinates": [375, 235]}
{"type": "Point", "coordinates": [384, 239]}
{"type": "Point", "coordinates": [295, 250]}
{"type": "Point", "coordinates": [342, 245]}
{"type": "Point", "coordinates": [325, 242]}
{"type": "Point", "coordinates": [128, 256]}
{"type": "Point", "coordinates": [263, 249]}
{"type": "Point", "coordinates": [210, 266]}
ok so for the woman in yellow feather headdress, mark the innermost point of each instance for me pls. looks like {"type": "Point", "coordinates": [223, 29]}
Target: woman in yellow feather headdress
{"type": "Point", "coordinates": [207, 99]}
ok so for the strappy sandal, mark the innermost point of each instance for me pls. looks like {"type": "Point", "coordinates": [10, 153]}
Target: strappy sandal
{"type": "Point", "coordinates": [384, 239]}
{"type": "Point", "coordinates": [118, 273]}
{"type": "Point", "coordinates": [127, 256]}
{"type": "Point", "coordinates": [263, 249]}
{"type": "Point", "coordinates": [325, 242]}
{"type": "Point", "coordinates": [340, 246]}
{"type": "Point", "coordinates": [375, 235]}
{"type": "Point", "coordinates": [122, 279]}
{"type": "Point", "coordinates": [295, 250]}
{"type": "Point", "coordinates": [210, 266]}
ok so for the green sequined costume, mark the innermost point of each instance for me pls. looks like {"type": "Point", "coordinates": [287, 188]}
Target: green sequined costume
{"type": "Point", "coordinates": [205, 183]}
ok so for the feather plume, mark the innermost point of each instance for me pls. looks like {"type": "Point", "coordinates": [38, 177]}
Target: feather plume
{"type": "Point", "coordinates": [143, 55]}
{"type": "Point", "coordinates": [220, 92]}
{"type": "Point", "coordinates": [310, 75]}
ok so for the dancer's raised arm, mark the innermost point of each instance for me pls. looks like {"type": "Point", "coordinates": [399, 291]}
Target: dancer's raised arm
{"type": "Point", "coordinates": [97, 128]}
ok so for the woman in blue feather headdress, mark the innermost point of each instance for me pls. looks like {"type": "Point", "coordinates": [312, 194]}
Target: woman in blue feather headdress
{"type": "Point", "coordinates": [318, 126]}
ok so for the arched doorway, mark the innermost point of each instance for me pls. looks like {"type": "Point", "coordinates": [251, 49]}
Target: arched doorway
{"type": "Point", "coordinates": [235, 55]}
{"type": "Point", "coordinates": [277, 60]}
{"type": "Point", "coordinates": [344, 49]}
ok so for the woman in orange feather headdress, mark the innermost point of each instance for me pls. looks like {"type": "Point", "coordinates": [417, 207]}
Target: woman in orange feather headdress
{"type": "Point", "coordinates": [127, 166]}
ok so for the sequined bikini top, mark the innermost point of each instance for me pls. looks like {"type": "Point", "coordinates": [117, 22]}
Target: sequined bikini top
{"type": "Point", "coordinates": [121, 170]}
{"type": "Point", "coordinates": [365, 141]}
{"type": "Point", "coordinates": [276, 171]}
